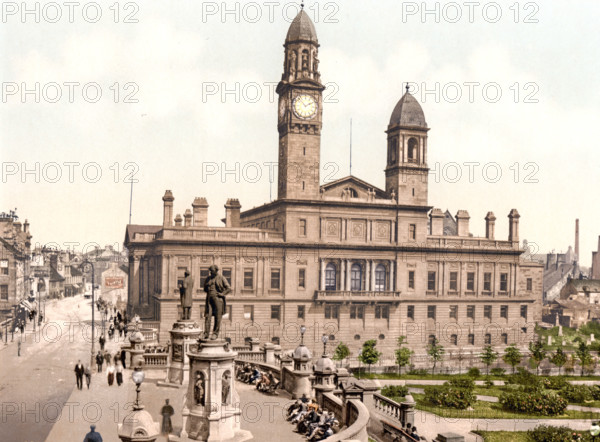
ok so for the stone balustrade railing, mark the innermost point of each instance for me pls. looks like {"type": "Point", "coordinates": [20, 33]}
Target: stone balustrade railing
{"type": "Point", "coordinates": [385, 405]}
{"type": "Point", "coordinates": [250, 356]}
{"type": "Point", "coordinates": [155, 360]}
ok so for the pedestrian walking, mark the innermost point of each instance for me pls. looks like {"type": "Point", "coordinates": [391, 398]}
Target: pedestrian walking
{"type": "Point", "coordinates": [79, 370]}
{"type": "Point", "coordinates": [93, 436]}
{"type": "Point", "coordinates": [99, 361]}
{"type": "Point", "coordinates": [102, 341]}
{"type": "Point", "coordinates": [119, 370]}
{"type": "Point", "coordinates": [88, 376]}
{"type": "Point", "coordinates": [166, 412]}
{"type": "Point", "coordinates": [107, 357]}
{"type": "Point", "coordinates": [123, 358]}
{"type": "Point", "coordinates": [19, 348]}
{"type": "Point", "coordinates": [120, 329]}
{"type": "Point", "coordinates": [110, 374]}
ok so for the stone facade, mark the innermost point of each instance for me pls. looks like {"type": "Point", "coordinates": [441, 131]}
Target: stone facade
{"type": "Point", "coordinates": [346, 259]}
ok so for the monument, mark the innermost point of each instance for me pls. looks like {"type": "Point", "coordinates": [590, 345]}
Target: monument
{"type": "Point", "coordinates": [216, 288]}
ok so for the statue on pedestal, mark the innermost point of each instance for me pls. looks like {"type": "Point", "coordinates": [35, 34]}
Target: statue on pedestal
{"type": "Point", "coordinates": [199, 389]}
{"type": "Point", "coordinates": [216, 288]}
{"type": "Point", "coordinates": [185, 293]}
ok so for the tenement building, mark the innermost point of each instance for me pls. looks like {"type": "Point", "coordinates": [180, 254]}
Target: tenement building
{"type": "Point", "coordinates": [346, 259]}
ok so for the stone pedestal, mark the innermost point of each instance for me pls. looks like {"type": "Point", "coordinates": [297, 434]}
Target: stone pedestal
{"type": "Point", "coordinates": [184, 338]}
{"type": "Point", "coordinates": [212, 410]}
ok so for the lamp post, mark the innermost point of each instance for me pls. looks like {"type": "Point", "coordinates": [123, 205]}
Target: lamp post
{"type": "Point", "coordinates": [138, 376]}
{"type": "Point", "coordinates": [302, 331]}
{"type": "Point", "coordinates": [324, 339]}
{"type": "Point", "coordinates": [85, 265]}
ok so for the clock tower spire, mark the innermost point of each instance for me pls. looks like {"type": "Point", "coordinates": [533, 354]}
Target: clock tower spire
{"type": "Point", "coordinates": [300, 113]}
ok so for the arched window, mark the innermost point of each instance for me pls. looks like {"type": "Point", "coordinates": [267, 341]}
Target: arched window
{"type": "Point", "coordinates": [356, 277]}
{"type": "Point", "coordinates": [380, 276]}
{"type": "Point", "coordinates": [413, 150]}
{"type": "Point", "coordinates": [330, 277]}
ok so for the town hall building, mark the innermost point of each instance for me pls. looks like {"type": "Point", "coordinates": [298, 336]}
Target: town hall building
{"type": "Point", "coordinates": [346, 259]}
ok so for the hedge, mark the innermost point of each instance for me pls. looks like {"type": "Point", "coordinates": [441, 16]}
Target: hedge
{"type": "Point", "coordinates": [450, 397]}
{"type": "Point", "coordinates": [538, 402]}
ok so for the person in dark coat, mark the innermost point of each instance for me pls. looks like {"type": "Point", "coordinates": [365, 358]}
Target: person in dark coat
{"type": "Point", "coordinates": [102, 341]}
{"type": "Point", "coordinates": [99, 361]}
{"type": "Point", "coordinates": [216, 288]}
{"type": "Point", "coordinates": [79, 370]}
{"type": "Point", "coordinates": [166, 412]}
{"type": "Point", "coordinates": [88, 376]}
{"type": "Point", "coordinates": [93, 436]}
{"type": "Point", "coordinates": [123, 358]}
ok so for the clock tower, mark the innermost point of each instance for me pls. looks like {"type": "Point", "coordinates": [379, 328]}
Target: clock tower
{"type": "Point", "coordinates": [300, 112]}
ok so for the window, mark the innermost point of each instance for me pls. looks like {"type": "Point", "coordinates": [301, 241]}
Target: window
{"type": "Point", "coordinates": [275, 279]}
{"type": "Point", "coordinates": [276, 312]}
{"type": "Point", "coordinates": [410, 312]}
{"type": "Point", "coordinates": [248, 278]}
{"type": "Point", "coordinates": [275, 340]}
{"type": "Point", "coordinates": [356, 277]}
{"type": "Point", "coordinates": [411, 279]}
{"type": "Point", "coordinates": [380, 278]}
{"type": "Point", "coordinates": [487, 282]}
{"type": "Point", "coordinates": [249, 312]}
{"type": "Point", "coordinates": [454, 311]}
{"type": "Point", "coordinates": [300, 312]}
{"type": "Point", "coordinates": [382, 312]}
{"type": "Point", "coordinates": [524, 311]}
{"type": "Point", "coordinates": [332, 311]}
{"type": "Point", "coordinates": [302, 227]}
{"type": "Point", "coordinates": [471, 281]}
{"type": "Point", "coordinates": [529, 284]}
{"type": "Point", "coordinates": [504, 311]}
{"type": "Point", "coordinates": [454, 339]}
{"type": "Point", "coordinates": [471, 339]}
{"type": "Point", "coordinates": [357, 311]}
{"type": "Point", "coordinates": [504, 338]}
{"type": "Point", "coordinates": [203, 274]}
{"type": "Point", "coordinates": [180, 276]}
{"type": "Point", "coordinates": [330, 277]}
{"type": "Point", "coordinates": [487, 311]}
{"type": "Point", "coordinates": [431, 340]}
{"type": "Point", "coordinates": [4, 292]}
{"type": "Point", "coordinates": [301, 278]}
{"type": "Point", "coordinates": [412, 232]}
{"type": "Point", "coordinates": [226, 274]}
{"type": "Point", "coordinates": [488, 339]}
{"type": "Point", "coordinates": [471, 311]}
{"type": "Point", "coordinates": [431, 312]}
{"type": "Point", "coordinates": [412, 150]}
{"type": "Point", "coordinates": [431, 281]}
{"type": "Point", "coordinates": [3, 266]}
{"type": "Point", "coordinates": [229, 313]}
{"type": "Point", "coordinates": [503, 282]}
{"type": "Point", "coordinates": [454, 281]}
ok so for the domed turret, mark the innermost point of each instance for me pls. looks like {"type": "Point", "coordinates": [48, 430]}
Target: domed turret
{"type": "Point", "coordinates": [301, 29]}
{"type": "Point", "coordinates": [408, 113]}
{"type": "Point", "coordinates": [302, 354]}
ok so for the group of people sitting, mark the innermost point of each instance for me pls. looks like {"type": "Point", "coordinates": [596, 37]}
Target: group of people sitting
{"type": "Point", "coordinates": [412, 432]}
{"type": "Point", "coordinates": [156, 349]}
{"type": "Point", "coordinates": [265, 381]}
{"type": "Point", "coordinates": [314, 423]}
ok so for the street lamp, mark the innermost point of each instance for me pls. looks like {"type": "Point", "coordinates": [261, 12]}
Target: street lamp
{"type": "Point", "coordinates": [138, 376]}
{"type": "Point", "coordinates": [85, 265]}
{"type": "Point", "coordinates": [324, 339]}
{"type": "Point", "coordinates": [302, 331]}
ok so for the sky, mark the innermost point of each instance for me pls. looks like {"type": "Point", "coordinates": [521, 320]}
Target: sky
{"type": "Point", "coordinates": [180, 95]}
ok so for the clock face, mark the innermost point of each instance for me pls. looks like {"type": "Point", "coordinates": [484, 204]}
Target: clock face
{"type": "Point", "coordinates": [305, 106]}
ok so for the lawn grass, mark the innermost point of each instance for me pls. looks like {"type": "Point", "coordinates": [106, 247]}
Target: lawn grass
{"type": "Point", "coordinates": [447, 377]}
{"type": "Point", "coordinates": [503, 436]}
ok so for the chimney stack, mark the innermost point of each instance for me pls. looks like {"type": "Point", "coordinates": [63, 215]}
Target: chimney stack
{"type": "Point", "coordinates": [187, 217]}
{"type": "Point", "coordinates": [436, 226]}
{"type": "Point", "coordinates": [200, 206]}
{"type": "Point", "coordinates": [26, 226]}
{"type": "Point", "coordinates": [513, 226]}
{"type": "Point", "coordinates": [490, 225]}
{"type": "Point", "coordinates": [168, 209]}
{"type": "Point", "coordinates": [577, 240]}
{"type": "Point", "coordinates": [178, 220]}
{"type": "Point", "coordinates": [462, 223]}
{"type": "Point", "coordinates": [232, 212]}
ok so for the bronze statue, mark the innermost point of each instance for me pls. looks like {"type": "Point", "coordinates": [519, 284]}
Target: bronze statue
{"type": "Point", "coordinates": [186, 293]}
{"type": "Point", "coordinates": [225, 388]}
{"type": "Point", "coordinates": [199, 389]}
{"type": "Point", "coordinates": [216, 288]}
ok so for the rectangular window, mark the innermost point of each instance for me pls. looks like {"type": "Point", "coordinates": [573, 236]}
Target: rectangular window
{"type": "Point", "coordinates": [411, 279]}
{"type": "Point", "coordinates": [3, 266]}
{"type": "Point", "coordinates": [529, 284]}
{"type": "Point", "coordinates": [382, 312]}
{"type": "Point", "coordinates": [431, 281]}
{"type": "Point", "coordinates": [412, 232]}
{"type": "Point", "coordinates": [203, 274]}
{"type": "Point", "coordinates": [454, 281]}
{"type": "Point", "coordinates": [275, 279]}
{"type": "Point", "coordinates": [471, 281]}
{"type": "Point", "coordinates": [503, 282]}
{"type": "Point", "coordinates": [226, 274]}
{"type": "Point", "coordinates": [454, 339]}
{"type": "Point", "coordinates": [471, 339]}
{"type": "Point", "coordinates": [180, 276]}
{"type": "Point", "coordinates": [301, 278]}
{"type": "Point", "coordinates": [276, 312]}
{"type": "Point", "coordinates": [410, 312]}
{"type": "Point", "coordinates": [249, 312]}
{"type": "Point", "coordinates": [302, 227]}
{"type": "Point", "coordinates": [487, 282]}
{"type": "Point", "coordinates": [331, 311]}
{"type": "Point", "coordinates": [524, 311]}
{"type": "Point", "coordinates": [454, 311]}
{"type": "Point", "coordinates": [4, 292]}
{"type": "Point", "coordinates": [488, 339]}
{"type": "Point", "coordinates": [471, 311]}
{"type": "Point", "coordinates": [504, 311]}
{"type": "Point", "coordinates": [357, 311]}
{"type": "Point", "coordinates": [504, 338]}
{"type": "Point", "coordinates": [248, 278]}
{"type": "Point", "coordinates": [431, 312]}
{"type": "Point", "coordinates": [487, 311]}
{"type": "Point", "coordinates": [300, 312]}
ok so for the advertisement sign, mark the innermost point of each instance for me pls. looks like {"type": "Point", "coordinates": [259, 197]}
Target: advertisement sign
{"type": "Point", "coordinates": [115, 282]}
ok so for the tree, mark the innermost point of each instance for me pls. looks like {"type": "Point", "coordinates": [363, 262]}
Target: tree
{"type": "Point", "coordinates": [538, 354]}
{"type": "Point", "coordinates": [583, 354]}
{"type": "Point", "coordinates": [369, 355]}
{"type": "Point", "coordinates": [341, 352]}
{"type": "Point", "coordinates": [403, 354]}
{"type": "Point", "coordinates": [512, 356]}
{"type": "Point", "coordinates": [435, 352]}
{"type": "Point", "coordinates": [559, 358]}
{"type": "Point", "coordinates": [488, 357]}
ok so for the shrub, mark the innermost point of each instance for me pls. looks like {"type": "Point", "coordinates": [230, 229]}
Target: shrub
{"type": "Point", "coordinates": [595, 392]}
{"type": "Point", "coordinates": [523, 377]}
{"type": "Point", "coordinates": [489, 383]}
{"type": "Point", "coordinates": [461, 382]}
{"type": "Point", "coordinates": [393, 391]}
{"type": "Point", "coordinates": [554, 383]}
{"type": "Point", "coordinates": [548, 433]}
{"type": "Point", "coordinates": [497, 371]}
{"type": "Point", "coordinates": [539, 403]}
{"type": "Point", "coordinates": [473, 372]}
{"type": "Point", "coordinates": [418, 372]}
{"type": "Point", "coordinates": [450, 397]}
{"type": "Point", "coordinates": [576, 393]}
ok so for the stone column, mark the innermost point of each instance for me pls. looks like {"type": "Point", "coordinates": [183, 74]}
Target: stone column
{"type": "Point", "coordinates": [391, 288]}
{"type": "Point", "coordinates": [184, 336]}
{"type": "Point", "coordinates": [368, 264]}
{"type": "Point", "coordinates": [322, 276]}
{"type": "Point", "coordinates": [348, 274]}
